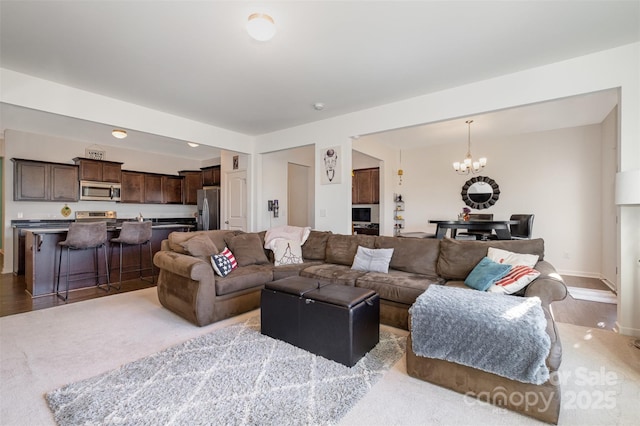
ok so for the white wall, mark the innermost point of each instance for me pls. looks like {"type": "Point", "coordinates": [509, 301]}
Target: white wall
{"type": "Point", "coordinates": [274, 183]}
{"type": "Point", "coordinates": [45, 148]}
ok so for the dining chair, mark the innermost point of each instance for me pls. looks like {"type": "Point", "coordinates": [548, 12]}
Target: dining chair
{"type": "Point", "coordinates": [134, 234]}
{"type": "Point", "coordinates": [524, 228]}
{"type": "Point", "coordinates": [83, 236]}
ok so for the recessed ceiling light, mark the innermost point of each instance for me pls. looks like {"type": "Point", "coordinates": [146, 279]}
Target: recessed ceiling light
{"type": "Point", "coordinates": [319, 106]}
{"type": "Point", "coordinates": [193, 144]}
{"type": "Point", "coordinates": [119, 133]}
{"type": "Point", "coordinates": [261, 26]}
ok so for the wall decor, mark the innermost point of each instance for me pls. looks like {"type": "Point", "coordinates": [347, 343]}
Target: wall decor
{"type": "Point", "coordinates": [236, 162]}
{"type": "Point", "coordinates": [95, 153]}
{"type": "Point", "coordinates": [480, 192]}
{"type": "Point", "coordinates": [331, 168]}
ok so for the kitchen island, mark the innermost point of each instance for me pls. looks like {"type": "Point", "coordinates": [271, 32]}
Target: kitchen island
{"type": "Point", "coordinates": [41, 256]}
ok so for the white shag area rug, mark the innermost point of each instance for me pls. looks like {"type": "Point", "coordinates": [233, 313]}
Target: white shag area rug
{"type": "Point", "coordinates": [593, 295]}
{"type": "Point", "coordinates": [234, 375]}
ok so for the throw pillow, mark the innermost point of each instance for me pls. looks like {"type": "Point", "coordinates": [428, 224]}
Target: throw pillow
{"type": "Point", "coordinates": [485, 273]}
{"type": "Point", "coordinates": [200, 246]}
{"type": "Point", "coordinates": [516, 279]}
{"type": "Point", "coordinates": [247, 248]}
{"type": "Point", "coordinates": [511, 258]}
{"type": "Point", "coordinates": [224, 262]}
{"type": "Point", "coordinates": [287, 252]}
{"type": "Point", "coordinates": [372, 260]}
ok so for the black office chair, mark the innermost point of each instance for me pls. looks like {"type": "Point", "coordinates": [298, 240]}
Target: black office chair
{"type": "Point", "coordinates": [524, 228]}
{"type": "Point", "coordinates": [83, 236]}
{"type": "Point", "coordinates": [479, 234]}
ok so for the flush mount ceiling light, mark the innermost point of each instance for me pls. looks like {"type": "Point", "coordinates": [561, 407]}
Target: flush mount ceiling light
{"type": "Point", "coordinates": [193, 144]}
{"type": "Point", "coordinates": [261, 26]}
{"type": "Point", "coordinates": [119, 133]}
{"type": "Point", "coordinates": [468, 165]}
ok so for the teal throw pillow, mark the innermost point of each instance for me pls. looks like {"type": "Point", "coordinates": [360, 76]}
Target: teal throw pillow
{"type": "Point", "coordinates": [486, 273]}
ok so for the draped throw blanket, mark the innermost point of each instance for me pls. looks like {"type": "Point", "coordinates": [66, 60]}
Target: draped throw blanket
{"type": "Point", "coordinates": [286, 232]}
{"type": "Point", "coordinates": [500, 334]}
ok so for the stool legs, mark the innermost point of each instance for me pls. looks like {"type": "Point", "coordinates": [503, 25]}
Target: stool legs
{"type": "Point", "coordinates": [140, 268]}
{"type": "Point", "coordinates": [95, 267]}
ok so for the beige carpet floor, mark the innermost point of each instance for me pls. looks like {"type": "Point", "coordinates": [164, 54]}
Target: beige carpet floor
{"type": "Point", "coordinates": [43, 350]}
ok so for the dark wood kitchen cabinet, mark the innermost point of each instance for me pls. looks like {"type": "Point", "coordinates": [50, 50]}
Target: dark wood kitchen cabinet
{"type": "Point", "coordinates": [172, 189]}
{"type": "Point", "coordinates": [211, 176]}
{"type": "Point", "coordinates": [153, 189]}
{"type": "Point", "coordinates": [132, 187]}
{"type": "Point", "coordinates": [45, 181]}
{"type": "Point", "coordinates": [192, 182]}
{"type": "Point", "coordinates": [365, 187]}
{"type": "Point", "coordinates": [98, 170]}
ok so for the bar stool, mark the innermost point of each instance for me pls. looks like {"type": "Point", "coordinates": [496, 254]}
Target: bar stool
{"type": "Point", "coordinates": [83, 236]}
{"type": "Point", "coordinates": [134, 234]}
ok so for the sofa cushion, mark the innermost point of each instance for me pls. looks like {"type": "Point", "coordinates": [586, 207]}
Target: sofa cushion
{"type": "Point", "coordinates": [336, 274]}
{"type": "Point", "coordinates": [511, 258]}
{"type": "Point", "coordinates": [200, 246]}
{"type": "Point", "coordinates": [417, 255]}
{"type": "Point", "coordinates": [286, 271]}
{"type": "Point", "coordinates": [286, 252]}
{"type": "Point", "coordinates": [341, 249]}
{"type": "Point", "coordinates": [316, 245]}
{"type": "Point", "coordinates": [485, 273]}
{"type": "Point", "coordinates": [516, 279]}
{"type": "Point", "coordinates": [247, 248]}
{"type": "Point", "coordinates": [176, 238]}
{"type": "Point", "coordinates": [244, 278]}
{"type": "Point", "coordinates": [457, 258]}
{"type": "Point", "coordinates": [372, 260]}
{"type": "Point", "coordinates": [398, 286]}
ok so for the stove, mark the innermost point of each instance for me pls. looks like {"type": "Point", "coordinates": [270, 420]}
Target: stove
{"type": "Point", "coordinates": [96, 216]}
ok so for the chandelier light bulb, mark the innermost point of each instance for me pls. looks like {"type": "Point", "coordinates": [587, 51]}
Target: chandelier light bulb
{"type": "Point", "coordinates": [261, 26]}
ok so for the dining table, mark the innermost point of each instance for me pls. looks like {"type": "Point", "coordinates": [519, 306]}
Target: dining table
{"type": "Point", "coordinates": [502, 228]}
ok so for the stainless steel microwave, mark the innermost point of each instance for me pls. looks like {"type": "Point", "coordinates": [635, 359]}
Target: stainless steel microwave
{"type": "Point", "coordinates": [99, 191]}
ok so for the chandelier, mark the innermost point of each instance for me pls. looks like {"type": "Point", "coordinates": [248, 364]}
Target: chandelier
{"type": "Point", "coordinates": [469, 165]}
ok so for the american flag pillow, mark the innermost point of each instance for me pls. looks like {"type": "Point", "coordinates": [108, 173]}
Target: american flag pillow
{"type": "Point", "coordinates": [516, 279]}
{"type": "Point", "coordinates": [224, 263]}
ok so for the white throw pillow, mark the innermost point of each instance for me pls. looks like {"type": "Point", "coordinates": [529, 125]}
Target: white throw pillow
{"type": "Point", "coordinates": [516, 279]}
{"type": "Point", "coordinates": [372, 260]}
{"type": "Point", "coordinates": [287, 252]}
{"type": "Point", "coordinates": [511, 258]}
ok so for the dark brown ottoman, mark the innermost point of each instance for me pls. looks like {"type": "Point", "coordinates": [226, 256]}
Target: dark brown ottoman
{"type": "Point", "coordinates": [338, 322]}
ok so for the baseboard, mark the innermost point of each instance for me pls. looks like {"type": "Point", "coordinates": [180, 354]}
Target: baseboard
{"type": "Point", "coordinates": [628, 331]}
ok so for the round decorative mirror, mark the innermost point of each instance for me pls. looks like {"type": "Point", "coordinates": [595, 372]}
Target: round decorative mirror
{"type": "Point", "coordinates": [480, 192]}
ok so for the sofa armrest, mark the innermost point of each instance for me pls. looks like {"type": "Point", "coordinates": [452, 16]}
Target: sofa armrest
{"type": "Point", "coordinates": [185, 266]}
{"type": "Point", "coordinates": [549, 286]}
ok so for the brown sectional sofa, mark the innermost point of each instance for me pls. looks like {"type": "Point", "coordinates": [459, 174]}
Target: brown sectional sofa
{"type": "Point", "coordinates": [188, 286]}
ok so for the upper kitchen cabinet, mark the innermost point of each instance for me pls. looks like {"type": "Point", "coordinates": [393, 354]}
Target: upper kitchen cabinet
{"type": "Point", "coordinates": [192, 182]}
{"type": "Point", "coordinates": [211, 176]}
{"type": "Point", "coordinates": [98, 170]}
{"type": "Point", "coordinates": [366, 186]}
{"type": "Point", "coordinates": [132, 187]}
{"type": "Point", "coordinates": [172, 189]}
{"type": "Point", "coordinates": [45, 181]}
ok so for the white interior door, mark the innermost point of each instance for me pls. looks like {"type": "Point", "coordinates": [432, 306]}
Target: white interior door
{"type": "Point", "coordinates": [236, 195]}
{"type": "Point", "coordinates": [298, 195]}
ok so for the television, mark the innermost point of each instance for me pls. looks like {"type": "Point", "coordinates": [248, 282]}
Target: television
{"type": "Point", "coordinates": [361, 214]}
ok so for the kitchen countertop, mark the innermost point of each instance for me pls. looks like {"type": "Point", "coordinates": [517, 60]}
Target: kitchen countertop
{"type": "Point", "coordinates": [110, 228]}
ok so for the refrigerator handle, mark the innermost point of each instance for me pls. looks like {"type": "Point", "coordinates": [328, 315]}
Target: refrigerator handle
{"type": "Point", "coordinates": [205, 214]}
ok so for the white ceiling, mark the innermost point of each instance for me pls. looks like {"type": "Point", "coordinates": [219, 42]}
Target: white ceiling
{"type": "Point", "coordinates": [195, 60]}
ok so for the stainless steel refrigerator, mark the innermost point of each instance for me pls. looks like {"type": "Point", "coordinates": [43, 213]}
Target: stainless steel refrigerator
{"type": "Point", "coordinates": [209, 208]}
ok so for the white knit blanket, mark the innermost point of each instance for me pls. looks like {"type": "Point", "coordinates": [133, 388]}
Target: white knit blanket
{"type": "Point", "coordinates": [286, 232]}
{"type": "Point", "coordinates": [497, 333]}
